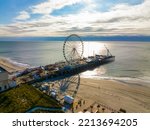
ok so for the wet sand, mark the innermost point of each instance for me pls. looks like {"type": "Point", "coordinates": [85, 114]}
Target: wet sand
{"type": "Point", "coordinates": [114, 94]}
{"type": "Point", "coordinates": [9, 66]}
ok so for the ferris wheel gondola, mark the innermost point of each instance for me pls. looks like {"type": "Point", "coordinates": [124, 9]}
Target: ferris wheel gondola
{"type": "Point", "coordinates": [73, 48]}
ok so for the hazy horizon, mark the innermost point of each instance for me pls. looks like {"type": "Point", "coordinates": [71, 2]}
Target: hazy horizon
{"type": "Point", "coordinates": [84, 38]}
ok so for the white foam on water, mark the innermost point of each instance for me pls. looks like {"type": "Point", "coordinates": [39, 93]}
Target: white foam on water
{"type": "Point", "coordinates": [15, 62]}
{"type": "Point", "coordinates": [139, 80]}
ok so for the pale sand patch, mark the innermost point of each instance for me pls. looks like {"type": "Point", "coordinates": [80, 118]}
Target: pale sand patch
{"type": "Point", "coordinates": [114, 94]}
{"type": "Point", "coordinates": [10, 67]}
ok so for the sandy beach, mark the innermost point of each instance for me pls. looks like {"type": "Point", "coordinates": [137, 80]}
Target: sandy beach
{"type": "Point", "coordinates": [9, 66]}
{"type": "Point", "coordinates": [114, 94]}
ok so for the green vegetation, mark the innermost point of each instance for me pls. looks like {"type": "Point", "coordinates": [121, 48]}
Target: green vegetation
{"type": "Point", "coordinates": [23, 98]}
{"type": "Point", "coordinates": [46, 111]}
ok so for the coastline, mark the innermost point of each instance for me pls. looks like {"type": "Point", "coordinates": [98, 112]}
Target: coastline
{"type": "Point", "coordinates": [131, 96]}
{"type": "Point", "coordinates": [11, 66]}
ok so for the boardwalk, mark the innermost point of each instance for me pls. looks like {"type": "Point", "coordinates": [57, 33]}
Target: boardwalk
{"type": "Point", "coordinates": [62, 70]}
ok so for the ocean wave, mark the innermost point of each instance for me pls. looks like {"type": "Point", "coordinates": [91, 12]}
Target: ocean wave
{"type": "Point", "coordinates": [139, 80]}
{"type": "Point", "coordinates": [14, 62]}
{"type": "Point", "coordinates": [131, 70]}
{"type": "Point", "coordinates": [3, 52]}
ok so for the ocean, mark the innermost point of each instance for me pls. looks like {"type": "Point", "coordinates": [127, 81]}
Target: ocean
{"type": "Point", "coordinates": [132, 58]}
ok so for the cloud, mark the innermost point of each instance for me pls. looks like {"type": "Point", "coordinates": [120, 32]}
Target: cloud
{"type": "Point", "coordinates": [120, 19]}
{"type": "Point", "coordinates": [51, 5]}
{"type": "Point", "coordinates": [23, 15]}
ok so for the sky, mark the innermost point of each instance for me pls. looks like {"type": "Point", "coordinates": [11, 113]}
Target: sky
{"type": "Point", "coordinates": [19, 18]}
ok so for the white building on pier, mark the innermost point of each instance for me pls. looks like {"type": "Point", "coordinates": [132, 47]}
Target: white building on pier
{"type": "Point", "coordinates": [5, 82]}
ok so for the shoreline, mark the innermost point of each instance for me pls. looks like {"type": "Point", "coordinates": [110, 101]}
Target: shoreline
{"type": "Point", "coordinates": [11, 66]}
{"type": "Point", "coordinates": [116, 94]}
{"type": "Point", "coordinates": [125, 80]}
{"type": "Point", "coordinates": [14, 66]}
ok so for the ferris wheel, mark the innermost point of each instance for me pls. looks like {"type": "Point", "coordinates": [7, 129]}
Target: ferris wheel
{"type": "Point", "coordinates": [73, 48]}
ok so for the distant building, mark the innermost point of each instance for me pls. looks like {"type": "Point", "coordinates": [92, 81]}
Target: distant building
{"type": "Point", "coordinates": [3, 74]}
{"type": "Point", "coordinates": [5, 82]}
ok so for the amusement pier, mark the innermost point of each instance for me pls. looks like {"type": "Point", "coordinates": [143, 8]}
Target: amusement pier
{"type": "Point", "coordinates": [62, 70]}
{"type": "Point", "coordinates": [61, 80]}
{"type": "Point", "coordinates": [75, 64]}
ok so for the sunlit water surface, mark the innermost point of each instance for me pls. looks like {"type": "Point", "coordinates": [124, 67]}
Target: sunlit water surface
{"type": "Point", "coordinates": [132, 58]}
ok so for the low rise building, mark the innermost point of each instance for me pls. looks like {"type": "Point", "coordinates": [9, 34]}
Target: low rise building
{"type": "Point", "coordinates": [5, 82]}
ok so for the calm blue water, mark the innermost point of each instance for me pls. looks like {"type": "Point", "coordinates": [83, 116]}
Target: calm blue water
{"type": "Point", "coordinates": [132, 58]}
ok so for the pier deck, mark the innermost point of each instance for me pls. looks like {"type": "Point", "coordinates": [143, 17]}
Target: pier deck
{"type": "Point", "coordinates": [61, 70]}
